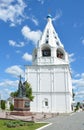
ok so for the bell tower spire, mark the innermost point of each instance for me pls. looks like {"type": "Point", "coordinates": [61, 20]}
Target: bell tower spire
{"type": "Point", "coordinates": [49, 17]}
{"type": "Point", "coordinates": [49, 47]}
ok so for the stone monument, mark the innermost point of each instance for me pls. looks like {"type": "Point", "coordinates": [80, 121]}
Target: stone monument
{"type": "Point", "coordinates": [21, 102]}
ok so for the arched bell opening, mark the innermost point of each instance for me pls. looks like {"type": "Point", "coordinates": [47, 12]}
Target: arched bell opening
{"type": "Point", "coordinates": [60, 53]}
{"type": "Point", "coordinates": [46, 51]}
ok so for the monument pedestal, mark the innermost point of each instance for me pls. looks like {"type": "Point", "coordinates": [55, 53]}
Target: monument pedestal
{"type": "Point", "coordinates": [21, 107]}
{"type": "Point", "coordinates": [21, 104]}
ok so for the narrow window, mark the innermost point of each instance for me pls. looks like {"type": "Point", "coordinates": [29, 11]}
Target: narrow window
{"type": "Point", "coordinates": [47, 41]}
{"type": "Point", "coordinates": [47, 35]}
{"type": "Point", "coordinates": [55, 37]}
{"type": "Point", "coordinates": [57, 43]}
{"type": "Point", "coordinates": [46, 103]}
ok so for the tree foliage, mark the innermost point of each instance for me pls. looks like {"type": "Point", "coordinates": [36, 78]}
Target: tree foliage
{"type": "Point", "coordinates": [3, 106]}
{"type": "Point", "coordinates": [73, 94]}
{"type": "Point", "coordinates": [77, 106]}
{"type": "Point", "coordinates": [11, 107]}
{"type": "Point", "coordinates": [14, 94]}
{"type": "Point", "coordinates": [29, 91]}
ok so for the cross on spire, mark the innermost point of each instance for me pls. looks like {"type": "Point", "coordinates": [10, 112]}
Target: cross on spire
{"type": "Point", "coordinates": [20, 77]}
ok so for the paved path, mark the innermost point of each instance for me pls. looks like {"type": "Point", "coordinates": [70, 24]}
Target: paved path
{"type": "Point", "coordinates": [34, 117]}
{"type": "Point", "coordinates": [74, 121]}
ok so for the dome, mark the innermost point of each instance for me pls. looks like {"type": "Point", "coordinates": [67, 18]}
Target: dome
{"type": "Point", "coordinates": [49, 16]}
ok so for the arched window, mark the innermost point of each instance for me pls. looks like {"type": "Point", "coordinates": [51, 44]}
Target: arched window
{"type": "Point", "coordinates": [60, 53]}
{"type": "Point", "coordinates": [45, 102]}
{"type": "Point", "coordinates": [46, 51]}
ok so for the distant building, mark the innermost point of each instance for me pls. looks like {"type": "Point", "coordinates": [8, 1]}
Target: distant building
{"type": "Point", "coordinates": [9, 101]}
{"type": "Point", "coordinates": [49, 74]}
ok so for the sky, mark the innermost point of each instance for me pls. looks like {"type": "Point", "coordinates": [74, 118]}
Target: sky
{"type": "Point", "coordinates": [21, 25]}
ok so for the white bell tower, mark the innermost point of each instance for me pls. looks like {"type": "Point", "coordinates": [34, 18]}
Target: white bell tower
{"type": "Point", "coordinates": [49, 74]}
{"type": "Point", "coordinates": [49, 48]}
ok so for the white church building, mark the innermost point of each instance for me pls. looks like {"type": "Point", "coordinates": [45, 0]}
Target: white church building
{"type": "Point", "coordinates": [49, 74]}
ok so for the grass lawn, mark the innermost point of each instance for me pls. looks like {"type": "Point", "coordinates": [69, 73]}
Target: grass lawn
{"type": "Point", "coordinates": [27, 126]}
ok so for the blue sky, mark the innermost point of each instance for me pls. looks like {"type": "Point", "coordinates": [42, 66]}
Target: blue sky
{"type": "Point", "coordinates": [22, 23]}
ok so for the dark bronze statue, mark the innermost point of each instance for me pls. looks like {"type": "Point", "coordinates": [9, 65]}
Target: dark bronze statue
{"type": "Point", "coordinates": [21, 89]}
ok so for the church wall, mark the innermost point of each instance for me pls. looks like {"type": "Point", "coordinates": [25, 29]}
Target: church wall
{"type": "Point", "coordinates": [44, 98]}
{"type": "Point", "coordinates": [69, 101]}
{"type": "Point", "coordinates": [57, 103]}
{"type": "Point", "coordinates": [50, 84]}
{"type": "Point", "coordinates": [39, 103]}
{"type": "Point", "coordinates": [60, 103]}
{"type": "Point", "coordinates": [34, 104]}
{"type": "Point", "coordinates": [59, 86]}
{"type": "Point", "coordinates": [33, 81]}
{"type": "Point", "coordinates": [49, 61]}
{"type": "Point", "coordinates": [45, 82]}
{"type": "Point", "coordinates": [69, 82]}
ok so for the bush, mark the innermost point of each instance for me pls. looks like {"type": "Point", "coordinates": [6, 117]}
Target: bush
{"type": "Point", "coordinates": [22, 123]}
{"type": "Point", "coordinates": [11, 107]}
{"type": "Point", "coordinates": [3, 104]}
{"type": "Point", "coordinates": [12, 124]}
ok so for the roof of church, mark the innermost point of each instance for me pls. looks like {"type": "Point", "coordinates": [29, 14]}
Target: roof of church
{"type": "Point", "coordinates": [49, 35]}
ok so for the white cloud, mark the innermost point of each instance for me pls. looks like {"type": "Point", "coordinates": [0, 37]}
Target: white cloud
{"type": "Point", "coordinates": [34, 20]}
{"type": "Point", "coordinates": [18, 51]}
{"type": "Point", "coordinates": [12, 11]}
{"type": "Point", "coordinates": [71, 57]}
{"type": "Point", "coordinates": [77, 75]}
{"type": "Point", "coordinates": [6, 87]}
{"type": "Point", "coordinates": [8, 83]}
{"type": "Point", "coordinates": [82, 75]}
{"type": "Point", "coordinates": [80, 93]}
{"type": "Point", "coordinates": [83, 41]}
{"type": "Point", "coordinates": [79, 82]}
{"type": "Point", "coordinates": [34, 36]}
{"type": "Point", "coordinates": [58, 15]}
{"type": "Point", "coordinates": [7, 56]}
{"type": "Point", "coordinates": [79, 86]}
{"type": "Point", "coordinates": [15, 70]}
{"type": "Point", "coordinates": [78, 25]}
{"type": "Point", "coordinates": [27, 57]}
{"type": "Point", "coordinates": [14, 44]}
{"type": "Point", "coordinates": [41, 1]}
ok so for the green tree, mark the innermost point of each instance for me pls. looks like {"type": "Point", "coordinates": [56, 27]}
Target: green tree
{"type": "Point", "coordinates": [77, 106]}
{"type": "Point", "coordinates": [73, 94]}
{"type": "Point", "coordinates": [3, 106]}
{"type": "Point", "coordinates": [11, 107]}
{"type": "Point", "coordinates": [14, 94]}
{"type": "Point", "coordinates": [29, 91]}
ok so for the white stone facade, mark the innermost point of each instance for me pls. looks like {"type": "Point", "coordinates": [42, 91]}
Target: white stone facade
{"type": "Point", "coordinates": [49, 74]}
